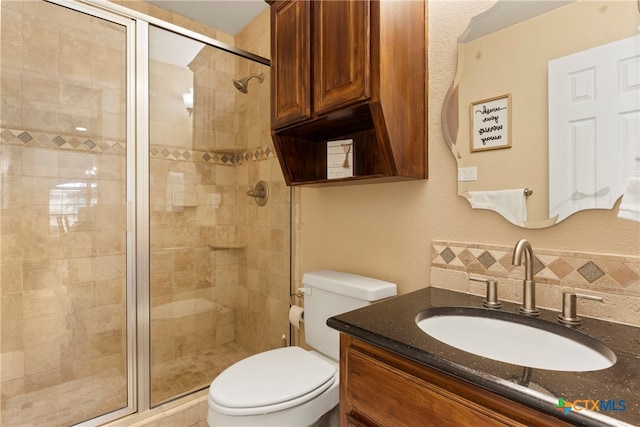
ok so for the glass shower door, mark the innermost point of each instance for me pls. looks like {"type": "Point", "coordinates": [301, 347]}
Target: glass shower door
{"type": "Point", "coordinates": [63, 206]}
{"type": "Point", "coordinates": [200, 123]}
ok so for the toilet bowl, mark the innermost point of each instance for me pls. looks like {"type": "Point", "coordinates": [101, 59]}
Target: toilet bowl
{"type": "Point", "coordinates": [288, 386]}
{"type": "Point", "coordinates": [291, 386]}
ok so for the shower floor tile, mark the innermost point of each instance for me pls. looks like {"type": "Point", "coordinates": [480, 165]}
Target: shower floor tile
{"type": "Point", "coordinates": [187, 374]}
{"type": "Point", "coordinates": [67, 403]}
{"type": "Point", "coordinates": [75, 401]}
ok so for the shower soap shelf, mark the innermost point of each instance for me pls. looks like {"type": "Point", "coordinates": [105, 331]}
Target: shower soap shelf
{"type": "Point", "coordinates": [229, 149]}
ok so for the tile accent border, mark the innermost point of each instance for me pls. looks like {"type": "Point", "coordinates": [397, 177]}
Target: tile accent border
{"type": "Point", "coordinates": [263, 152]}
{"type": "Point", "coordinates": [615, 274]}
{"type": "Point", "coordinates": [616, 278]}
{"type": "Point", "coordinates": [28, 138]}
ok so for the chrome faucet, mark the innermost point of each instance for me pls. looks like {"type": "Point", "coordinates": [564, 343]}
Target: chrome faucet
{"type": "Point", "coordinates": [528, 285]}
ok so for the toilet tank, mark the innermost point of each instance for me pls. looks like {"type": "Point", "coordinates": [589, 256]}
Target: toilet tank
{"type": "Point", "coordinates": [328, 293]}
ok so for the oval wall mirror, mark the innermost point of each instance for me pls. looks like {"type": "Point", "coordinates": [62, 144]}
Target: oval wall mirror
{"type": "Point", "coordinates": [543, 115]}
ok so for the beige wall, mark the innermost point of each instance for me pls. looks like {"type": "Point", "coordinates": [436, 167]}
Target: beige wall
{"type": "Point", "coordinates": [385, 230]}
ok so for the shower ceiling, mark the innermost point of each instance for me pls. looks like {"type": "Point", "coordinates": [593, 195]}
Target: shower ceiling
{"type": "Point", "coordinates": [229, 16]}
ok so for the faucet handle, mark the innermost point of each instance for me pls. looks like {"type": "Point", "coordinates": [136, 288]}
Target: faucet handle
{"type": "Point", "coordinates": [492, 295]}
{"type": "Point", "coordinates": [492, 292]}
{"type": "Point", "coordinates": [569, 314]}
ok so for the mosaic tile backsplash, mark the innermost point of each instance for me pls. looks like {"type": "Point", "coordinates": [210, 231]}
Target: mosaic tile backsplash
{"type": "Point", "coordinates": [614, 277]}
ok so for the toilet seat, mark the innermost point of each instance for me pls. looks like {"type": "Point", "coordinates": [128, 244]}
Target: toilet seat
{"type": "Point", "coordinates": [271, 381]}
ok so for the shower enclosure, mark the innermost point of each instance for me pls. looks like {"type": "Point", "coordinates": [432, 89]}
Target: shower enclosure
{"type": "Point", "coordinates": [133, 266]}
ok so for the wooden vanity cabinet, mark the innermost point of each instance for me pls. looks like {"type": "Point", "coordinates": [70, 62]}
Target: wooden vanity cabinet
{"type": "Point", "coordinates": [349, 69]}
{"type": "Point", "coordinates": [379, 388]}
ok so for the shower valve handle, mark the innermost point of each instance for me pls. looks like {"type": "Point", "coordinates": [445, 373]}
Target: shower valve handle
{"type": "Point", "coordinates": [256, 193]}
{"type": "Point", "coordinates": [260, 192]}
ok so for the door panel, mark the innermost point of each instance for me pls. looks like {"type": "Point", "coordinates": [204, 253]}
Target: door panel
{"type": "Point", "coordinates": [291, 72]}
{"type": "Point", "coordinates": [594, 113]}
{"type": "Point", "coordinates": [64, 152]}
{"type": "Point", "coordinates": [340, 53]}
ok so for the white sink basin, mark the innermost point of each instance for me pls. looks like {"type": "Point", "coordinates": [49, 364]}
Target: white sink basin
{"type": "Point", "coordinates": [516, 339]}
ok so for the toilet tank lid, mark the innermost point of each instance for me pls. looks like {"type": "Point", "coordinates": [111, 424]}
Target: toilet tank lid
{"type": "Point", "coordinates": [352, 285]}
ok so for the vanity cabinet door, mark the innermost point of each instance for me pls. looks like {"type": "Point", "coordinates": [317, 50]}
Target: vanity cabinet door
{"type": "Point", "coordinates": [378, 388]}
{"type": "Point", "coordinates": [388, 396]}
{"type": "Point", "coordinates": [341, 49]}
{"type": "Point", "coordinates": [290, 62]}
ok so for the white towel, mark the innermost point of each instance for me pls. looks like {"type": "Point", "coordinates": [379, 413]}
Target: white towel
{"type": "Point", "coordinates": [511, 204]}
{"type": "Point", "coordinates": [174, 198]}
{"type": "Point", "coordinates": [630, 204]}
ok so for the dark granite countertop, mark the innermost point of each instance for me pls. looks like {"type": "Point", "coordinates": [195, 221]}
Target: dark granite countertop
{"type": "Point", "coordinates": [390, 324]}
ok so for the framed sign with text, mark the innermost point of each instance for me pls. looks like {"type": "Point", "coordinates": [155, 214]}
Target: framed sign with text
{"type": "Point", "coordinates": [491, 123]}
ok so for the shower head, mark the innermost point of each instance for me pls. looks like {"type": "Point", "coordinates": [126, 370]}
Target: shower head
{"type": "Point", "coordinates": [242, 84]}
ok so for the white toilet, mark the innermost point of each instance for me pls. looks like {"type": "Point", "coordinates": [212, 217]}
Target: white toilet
{"type": "Point", "coordinates": [291, 386]}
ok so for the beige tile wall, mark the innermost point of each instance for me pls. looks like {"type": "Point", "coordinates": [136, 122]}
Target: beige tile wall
{"type": "Point", "coordinates": [215, 119]}
{"type": "Point", "coordinates": [263, 295]}
{"type": "Point", "coordinates": [254, 281]}
{"type": "Point", "coordinates": [183, 218]}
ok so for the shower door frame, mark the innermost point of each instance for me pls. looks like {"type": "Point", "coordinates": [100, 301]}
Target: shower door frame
{"type": "Point", "coordinates": [137, 185]}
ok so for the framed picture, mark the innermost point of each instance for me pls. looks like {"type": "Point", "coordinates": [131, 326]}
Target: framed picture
{"type": "Point", "coordinates": [340, 158]}
{"type": "Point", "coordinates": [491, 123]}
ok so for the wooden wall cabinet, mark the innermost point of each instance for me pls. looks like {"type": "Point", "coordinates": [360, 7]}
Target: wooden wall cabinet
{"type": "Point", "coordinates": [349, 69]}
{"type": "Point", "coordinates": [290, 62]}
{"type": "Point", "coordinates": [379, 388]}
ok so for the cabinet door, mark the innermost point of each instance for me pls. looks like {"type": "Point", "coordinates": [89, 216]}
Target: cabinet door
{"type": "Point", "coordinates": [290, 62]}
{"type": "Point", "coordinates": [408, 401]}
{"type": "Point", "coordinates": [341, 53]}
{"type": "Point", "coordinates": [415, 395]}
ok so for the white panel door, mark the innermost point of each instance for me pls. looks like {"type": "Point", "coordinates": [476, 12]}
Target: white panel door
{"type": "Point", "coordinates": [594, 126]}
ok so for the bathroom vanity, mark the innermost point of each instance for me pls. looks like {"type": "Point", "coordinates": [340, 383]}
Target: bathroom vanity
{"type": "Point", "coordinates": [392, 373]}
